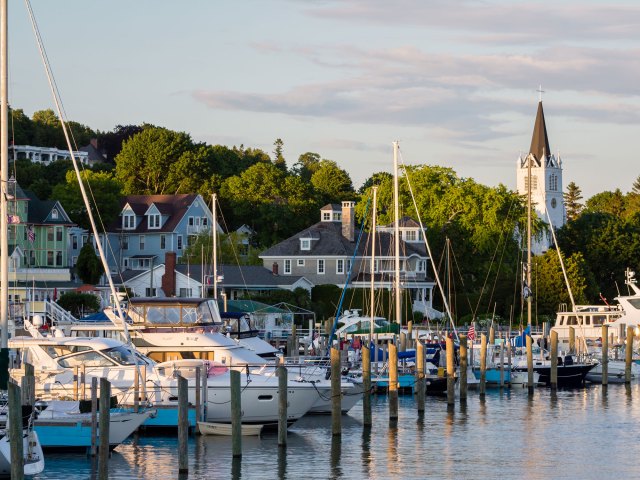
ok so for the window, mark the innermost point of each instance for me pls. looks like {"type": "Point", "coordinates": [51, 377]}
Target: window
{"type": "Point", "coordinates": [128, 221]}
{"type": "Point", "coordinates": [74, 241]}
{"type": "Point", "coordinates": [179, 242]}
{"type": "Point", "coordinates": [191, 221]}
{"type": "Point", "coordinates": [85, 238]}
{"type": "Point", "coordinates": [58, 258]}
{"type": "Point", "coordinates": [54, 214]}
{"type": "Point", "coordinates": [125, 242]}
{"type": "Point", "coordinates": [125, 263]}
{"type": "Point", "coordinates": [305, 244]}
{"type": "Point", "coordinates": [348, 266]}
{"type": "Point", "coordinates": [421, 265]}
{"type": "Point", "coordinates": [534, 183]}
{"type": "Point", "coordinates": [50, 258]}
{"type": "Point", "coordinates": [205, 221]}
{"type": "Point", "coordinates": [553, 182]}
{"type": "Point", "coordinates": [376, 266]}
{"type": "Point", "coordinates": [50, 234]}
{"type": "Point", "coordinates": [337, 216]}
{"type": "Point", "coordinates": [340, 266]}
{"type": "Point", "coordinates": [150, 292]}
{"type": "Point", "coordinates": [326, 216]}
{"type": "Point", "coordinates": [142, 242]}
{"type": "Point", "coordinates": [58, 234]}
{"type": "Point", "coordinates": [320, 267]}
{"type": "Point", "coordinates": [287, 267]}
{"type": "Point", "coordinates": [163, 242]}
{"type": "Point", "coordinates": [154, 220]}
{"type": "Point", "coordinates": [410, 235]}
{"type": "Point", "coordinates": [554, 203]}
{"type": "Point", "coordinates": [185, 292]}
{"type": "Point", "coordinates": [300, 262]}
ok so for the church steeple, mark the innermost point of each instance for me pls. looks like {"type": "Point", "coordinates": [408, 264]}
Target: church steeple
{"type": "Point", "coordinates": [540, 141]}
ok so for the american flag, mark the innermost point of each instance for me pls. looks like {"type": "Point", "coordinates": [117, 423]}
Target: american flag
{"type": "Point", "coordinates": [13, 219]}
{"type": "Point", "coordinates": [471, 333]}
{"type": "Point", "coordinates": [31, 235]}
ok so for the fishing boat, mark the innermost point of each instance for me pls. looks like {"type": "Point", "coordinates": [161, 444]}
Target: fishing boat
{"type": "Point", "coordinates": [226, 429]}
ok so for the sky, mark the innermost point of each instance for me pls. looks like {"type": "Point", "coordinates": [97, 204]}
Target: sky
{"type": "Point", "coordinates": [455, 82]}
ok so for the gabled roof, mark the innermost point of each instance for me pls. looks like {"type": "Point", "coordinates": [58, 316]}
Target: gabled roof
{"type": "Point", "coordinates": [540, 141]}
{"type": "Point", "coordinates": [40, 211]}
{"type": "Point", "coordinates": [405, 222]}
{"type": "Point", "coordinates": [173, 206]}
{"type": "Point", "coordinates": [240, 275]}
{"type": "Point", "coordinates": [331, 206]}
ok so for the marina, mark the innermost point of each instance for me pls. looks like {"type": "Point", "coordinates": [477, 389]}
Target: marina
{"type": "Point", "coordinates": [548, 435]}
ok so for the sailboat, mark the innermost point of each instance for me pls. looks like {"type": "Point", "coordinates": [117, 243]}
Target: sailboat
{"type": "Point", "coordinates": [33, 459]}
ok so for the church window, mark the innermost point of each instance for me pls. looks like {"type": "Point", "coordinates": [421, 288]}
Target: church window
{"type": "Point", "coordinates": [534, 182]}
{"type": "Point", "coordinates": [553, 203]}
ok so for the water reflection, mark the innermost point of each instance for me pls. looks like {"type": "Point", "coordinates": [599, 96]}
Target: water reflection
{"type": "Point", "coordinates": [366, 451]}
{"type": "Point", "coordinates": [336, 454]}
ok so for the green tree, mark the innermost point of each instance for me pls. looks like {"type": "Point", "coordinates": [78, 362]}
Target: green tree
{"type": "Point", "coordinates": [572, 198]}
{"type": "Point", "coordinates": [104, 192]}
{"type": "Point", "coordinates": [613, 203]}
{"type": "Point", "coordinates": [231, 249]}
{"type": "Point", "coordinates": [79, 304]}
{"type": "Point", "coordinates": [88, 266]}
{"type": "Point", "coordinates": [278, 155]}
{"type": "Point", "coordinates": [331, 183]}
{"type": "Point", "coordinates": [306, 166]}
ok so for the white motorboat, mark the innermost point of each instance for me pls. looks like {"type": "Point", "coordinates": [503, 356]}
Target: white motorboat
{"type": "Point", "coordinates": [226, 429]}
{"type": "Point", "coordinates": [32, 454]}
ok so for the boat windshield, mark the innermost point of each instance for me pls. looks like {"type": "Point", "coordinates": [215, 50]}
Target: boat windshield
{"type": "Point", "coordinates": [121, 355]}
{"type": "Point", "coordinates": [176, 314]}
{"type": "Point", "coordinates": [238, 324]}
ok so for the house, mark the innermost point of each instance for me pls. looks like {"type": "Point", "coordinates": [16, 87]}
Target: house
{"type": "Point", "coordinates": [149, 226]}
{"type": "Point", "coordinates": [46, 155]}
{"type": "Point", "coordinates": [196, 281]}
{"type": "Point", "coordinates": [327, 253]}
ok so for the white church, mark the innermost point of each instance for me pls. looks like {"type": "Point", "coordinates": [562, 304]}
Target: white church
{"type": "Point", "coordinates": [546, 182]}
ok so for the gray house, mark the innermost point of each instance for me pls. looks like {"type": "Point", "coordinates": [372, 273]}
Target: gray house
{"type": "Point", "coordinates": [326, 253]}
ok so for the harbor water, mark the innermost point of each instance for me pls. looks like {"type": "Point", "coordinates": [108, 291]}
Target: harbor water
{"type": "Point", "coordinates": [582, 433]}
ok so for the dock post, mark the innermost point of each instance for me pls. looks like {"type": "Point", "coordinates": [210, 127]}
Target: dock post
{"type": "Point", "coordinates": [554, 360]}
{"type": "Point", "coordinates": [529, 365]}
{"type": "Point", "coordinates": [144, 383]}
{"type": "Point", "coordinates": [451, 372]}
{"type": "Point", "coordinates": [183, 422]}
{"type": "Point", "coordinates": [294, 342]}
{"type": "Point", "coordinates": [336, 407]}
{"type": "Point", "coordinates": [376, 353]}
{"type": "Point", "coordinates": [410, 334]}
{"type": "Point", "coordinates": [605, 355]}
{"type": "Point", "coordinates": [198, 393]}
{"type": "Point", "coordinates": [205, 394]}
{"type": "Point", "coordinates": [403, 342]}
{"type": "Point", "coordinates": [136, 389]}
{"type": "Point", "coordinates": [572, 340]}
{"type": "Point", "coordinates": [502, 347]}
{"type": "Point", "coordinates": [420, 380]}
{"type": "Point", "coordinates": [15, 431]}
{"type": "Point", "coordinates": [28, 385]}
{"type": "Point", "coordinates": [282, 404]}
{"type": "Point", "coordinates": [463, 368]}
{"type": "Point", "coordinates": [629, 356]}
{"type": "Point", "coordinates": [94, 416]}
{"type": "Point", "coordinates": [103, 430]}
{"type": "Point", "coordinates": [492, 336]}
{"type": "Point", "coordinates": [236, 415]}
{"type": "Point", "coordinates": [366, 383]}
{"type": "Point", "coordinates": [483, 364]}
{"type": "Point", "coordinates": [393, 382]}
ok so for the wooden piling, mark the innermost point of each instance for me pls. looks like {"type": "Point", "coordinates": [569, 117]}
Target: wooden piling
{"type": "Point", "coordinates": [605, 355]}
{"type": "Point", "coordinates": [103, 429]}
{"type": "Point", "coordinates": [530, 365]}
{"type": "Point", "coordinates": [403, 342]}
{"type": "Point", "coordinates": [572, 340]}
{"type": "Point", "coordinates": [28, 385]}
{"type": "Point", "coordinates": [410, 334]}
{"type": "Point", "coordinates": [366, 383]}
{"type": "Point", "coordinates": [463, 368]}
{"type": "Point", "coordinates": [336, 407]}
{"type": "Point", "coordinates": [629, 356]}
{"type": "Point", "coordinates": [492, 336]}
{"type": "Point", "coordinates": [451, 371]}
{"type": "Point", "coordinates": [282, 405]}
{"type": "Point", "coordinates": [420, 379]}
{"type": "Point", "coordinates": [183, 421]}
{"type": "Point", "coordinates": [393, 382]}
{"type": "Point", "coordinates": [554, 360]}
{"type": "Point", "coordinates": [94, 416]}
{"type": "Point", "coordinates": [483, 364]}
{"type": "Point", "coordinates": [15, 431]}
{"type": "Point", "coordinates": [136, 388]}
{"type": "Point", "coordinates": [236, 415]}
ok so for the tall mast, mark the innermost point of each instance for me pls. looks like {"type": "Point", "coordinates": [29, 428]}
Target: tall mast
{"type": "Point", "coordinates": [214, 233]}
{"type": "Point", "coordinates": [373, 260]}
{"type": "Point", "coordinates": [529, 239]}
{"type": "Point", "coordinates": [4, 178]}
{"type": "Point", "coordinates": [396, 233]}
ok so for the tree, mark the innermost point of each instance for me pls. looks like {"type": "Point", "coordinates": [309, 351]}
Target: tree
{"type": "Point", "coordinates": [79, 304]}
{"type": "Point", "coordinates": [306, 166]}
{"type": "Point", "coordinates": [104, 192]}
{"type": "Point", "coordinates": [278, 157]}
{"type": "Point", "coordinates": [231, 249]}
{"type": "Point", "coordinates": [572, 204]}
{"type": "Point", "coordinates": [331, 183]}
{"type": "Point", "coordinates": [155, 161]}
{"type": "Point", "coordinates": [88, 266]}
{"type": "Point", "coordinates": [636, 186]}
{"type": "Point", "coordinates": [112, 141]}
{"type": "Point", "coordinates": [374, 180]}
{"type": "Point", "coordinates": [613, 203]}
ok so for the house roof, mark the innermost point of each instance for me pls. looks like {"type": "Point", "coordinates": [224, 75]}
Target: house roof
{"type": "Point", "coordinates": [405, 222]}
{"type": "Point", "coordinates": [331, 206]}
{"type": "Point", "coordinates": [39, 211]}
{"type": "Point", "coordinates": [93, 154]}
{"type": "Point", "coordinates": [240, 275]}
{"type": "Point", "coordinates": [540, 141]}
{"type": "Point", "coordinates": [173, 206]}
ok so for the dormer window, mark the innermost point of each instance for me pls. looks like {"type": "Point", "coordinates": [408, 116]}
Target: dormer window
{"type": "Point", "coordinates": [326, 216]}
{"type": "Point", "coordinates": [305, 244]}
{"type": "Point", "coordinates": [54, 214]}
{"type": "Point", "coordinates": [154, 220]}
{"type": "Point", "coordinates": [410, 235]}
{"type": "Point", "coordinates": [337, 216]}
{"type": "Point", "coordinates": [128, 221]}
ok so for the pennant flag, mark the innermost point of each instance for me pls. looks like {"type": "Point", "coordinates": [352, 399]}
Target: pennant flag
{"type": "Point", "coordinates": [471, 333]}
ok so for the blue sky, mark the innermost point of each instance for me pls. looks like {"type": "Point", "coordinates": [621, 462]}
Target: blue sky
{"type": "Point", "coordinates": [454, 81]}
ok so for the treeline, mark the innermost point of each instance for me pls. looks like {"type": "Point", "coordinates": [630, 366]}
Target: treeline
{"type": "Point", "coordinates": [472, 228]}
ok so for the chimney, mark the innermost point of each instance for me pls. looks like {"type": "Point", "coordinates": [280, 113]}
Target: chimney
{"type": "Point", "coordinates": [274, 268]}
{"type": "Point", "coordinates": [94, 143]}
{"type": "Point", "coordinates": [348, 220]}
{"type": "Point", "coordinates": [169, 277]}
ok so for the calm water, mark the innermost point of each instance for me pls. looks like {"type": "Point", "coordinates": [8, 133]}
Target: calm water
{"type": "Point", "coordinates": [585, 433]}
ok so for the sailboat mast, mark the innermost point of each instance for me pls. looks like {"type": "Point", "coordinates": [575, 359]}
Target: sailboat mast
{"type": "Point", "coordinates": [4, 178]}
{"type": "Point", "coordinates": [214, 234]}
{"type": "Point", "coordinates": [396, 233]}
{"type": "Point", "coordinates": [529, 241]}
{"type": "Point", "coordinates": [373, 261]}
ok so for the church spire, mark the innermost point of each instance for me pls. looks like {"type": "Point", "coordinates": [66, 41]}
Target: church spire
{"type": "Point", "coordinates": [540, 141]}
